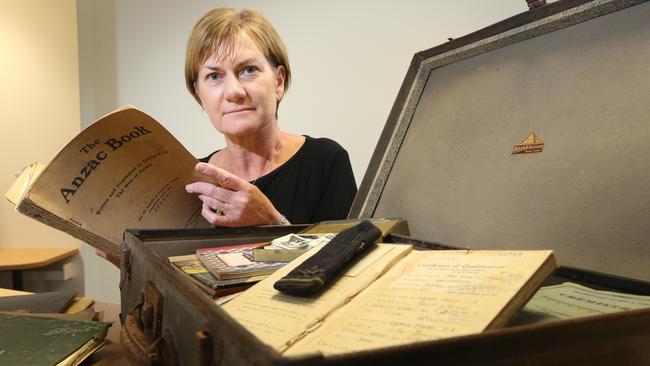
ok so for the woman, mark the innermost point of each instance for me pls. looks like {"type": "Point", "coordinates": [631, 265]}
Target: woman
{"type": "Point", "coordinates": [237, 69]}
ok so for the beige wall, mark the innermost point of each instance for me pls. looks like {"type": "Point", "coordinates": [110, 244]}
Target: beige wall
{"type": "Point", "coordinates": [39, 104]}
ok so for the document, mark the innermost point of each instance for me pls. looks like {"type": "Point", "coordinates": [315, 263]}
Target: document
{"type": "Point", "coordinates": [394, 296]}
{"type": "Point", "coordinates": [279, 320]}
{"type": "Point", "coordinates": [123, 171]}
{"type": "Point", "coordinates": [570, 300]}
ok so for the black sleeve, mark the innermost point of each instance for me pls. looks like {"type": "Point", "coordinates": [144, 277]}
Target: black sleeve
{"type": "Point", "coordinates": [338, 190]}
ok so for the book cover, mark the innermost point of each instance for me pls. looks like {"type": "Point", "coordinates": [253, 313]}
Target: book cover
{"type": "Point", "coordinates": [123, 171]}
{"type": "Point", "coordinates": [235, 262]}
{"type": "Point", "coordinates": [191, 267]}
{"type": "Point", "coordinates": [28, 340]}
{"type": "Point", "coordinates": [262, 254]}
{"type": "Point", "coordinates": [44, 302]}
{"type": "Point", "coordinates": [570, 300]}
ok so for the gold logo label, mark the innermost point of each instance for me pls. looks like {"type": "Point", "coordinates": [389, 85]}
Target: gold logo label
{"type": "Point", "coordinates": [531, 144]}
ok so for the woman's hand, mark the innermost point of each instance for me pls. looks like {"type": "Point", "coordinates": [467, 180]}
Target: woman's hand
{"type": "Point", "coordinates": [232, 201]}
{"type": "Point", "coordinates": [111, 259]}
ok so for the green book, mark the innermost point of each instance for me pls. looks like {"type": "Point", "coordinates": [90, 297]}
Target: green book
{"type": "Point", "coordinates": [28, 340]}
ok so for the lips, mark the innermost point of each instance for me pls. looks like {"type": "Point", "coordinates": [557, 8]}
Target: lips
{"type": "Point", "coordinates": [238, 110]}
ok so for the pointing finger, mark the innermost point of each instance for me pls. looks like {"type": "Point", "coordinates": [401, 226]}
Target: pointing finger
{"type": "Point", "coordinates": [221, 176]}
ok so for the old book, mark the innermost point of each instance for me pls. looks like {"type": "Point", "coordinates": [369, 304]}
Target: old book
{"type": "Point", "coordinates": [570, 300]}
{"type": "Point", "coordinates": [23, 180]}
{"type": "Point", "coordinates": [265, 253]}
{"type": "Point", "coordinates": [44, 302]}
{"type": "Point", "coordinates": [270, 253]}
{"type": "Point", "coordinates": [386, 225]}
{"type": "Point", "coordinates": [193, 268]}
{"type": "Point", "coordinates": [220, 300]}
{"type": "Point", "coordinates": [80, 304]}
{"type": "Point", "coordinates": [235, 262]}
{"type": "Point", "coordinates": [289, 247]}
{"type": "Point", "coordinates": [30, 340]}
{"type": "Point", "coordinates": [123, 171]}
{"type": "Point", "coordinates": [395, 296]}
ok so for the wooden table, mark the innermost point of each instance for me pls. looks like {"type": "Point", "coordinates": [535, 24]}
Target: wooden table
{"type": "Point", "coordinates": [18, 259]}
{"type": "Point", "coordinates": [8, 292]}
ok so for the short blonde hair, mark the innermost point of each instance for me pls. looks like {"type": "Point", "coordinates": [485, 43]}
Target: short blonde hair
{"type": "Point", "coordinates": [218, 29]}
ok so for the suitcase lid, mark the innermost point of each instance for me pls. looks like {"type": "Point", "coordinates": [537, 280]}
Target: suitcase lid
{"type": "Point", "coordinates": [570, 79]}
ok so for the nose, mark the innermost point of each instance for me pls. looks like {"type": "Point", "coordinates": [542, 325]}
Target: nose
{"type": "Point", "coordinates": [234, 90]}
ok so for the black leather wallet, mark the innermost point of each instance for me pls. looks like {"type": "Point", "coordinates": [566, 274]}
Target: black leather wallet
{"type": "Point", "coordinates": [313, 274]}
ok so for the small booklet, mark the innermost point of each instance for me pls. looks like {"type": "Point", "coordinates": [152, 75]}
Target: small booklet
{"type": "Point", "coordinates": [123, 171]}
{"type": "Point", "coordinates": [235, 262]}
{"type": "Point", "coordinates": [191, 267]}
{"type": "Point", "coordinates": [570, 300]}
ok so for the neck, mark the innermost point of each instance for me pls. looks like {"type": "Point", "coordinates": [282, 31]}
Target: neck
{"type": "Point", "coordinates": [252, 157]}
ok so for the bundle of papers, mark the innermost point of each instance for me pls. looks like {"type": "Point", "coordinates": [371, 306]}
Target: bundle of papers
{"type": "Point", "coordinates": [289, 247]}
{"type": "Point", "coordinates": [299, 241]}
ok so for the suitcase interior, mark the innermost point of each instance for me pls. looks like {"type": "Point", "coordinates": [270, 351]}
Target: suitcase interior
{"type": "Point", "coordinates": [192, 330]}
{"type": "Point", "coordinates": [581, 84]}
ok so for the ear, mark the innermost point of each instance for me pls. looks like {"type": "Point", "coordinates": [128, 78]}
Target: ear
{"type": "Point", "coordinates": [280, 74]}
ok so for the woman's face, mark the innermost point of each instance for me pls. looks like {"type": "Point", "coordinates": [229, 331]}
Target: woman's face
{"type": "Point", "coordinates": [240, 91]}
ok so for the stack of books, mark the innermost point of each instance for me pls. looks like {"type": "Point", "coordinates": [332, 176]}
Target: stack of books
{"type": "Point", "coordinates": [223, 272]}
{"type": "Point", "coordinates": [51, 328]}
{"type": "Point", "coordinates": [235, 262]}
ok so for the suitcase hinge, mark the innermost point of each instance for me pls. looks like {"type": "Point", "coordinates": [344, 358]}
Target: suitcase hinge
{"type": "Point", "coordinates": [143, 340]}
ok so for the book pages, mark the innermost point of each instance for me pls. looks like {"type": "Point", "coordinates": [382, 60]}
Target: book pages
{"type": "Point", "coordinates": [229, 262]}
{"type": "Point", "coordinates": [430, 295]}
{"type": "Point", "coordinates": [26, 177]}
{"type": "Point", "coordinates": [571, 300]}
{"type": "Point", "coordinates": [280, 320]}
{"type": "Point", "coordinates": [123, 171]}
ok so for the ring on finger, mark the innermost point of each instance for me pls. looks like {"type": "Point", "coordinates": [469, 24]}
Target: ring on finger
{"type": "Point", "coordinates": [219, 210]}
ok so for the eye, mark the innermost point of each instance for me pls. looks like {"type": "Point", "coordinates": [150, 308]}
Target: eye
{"type": "Point", "coordinates": [249, 70]}
{"type": "Point", "coordinates": [213, 76]}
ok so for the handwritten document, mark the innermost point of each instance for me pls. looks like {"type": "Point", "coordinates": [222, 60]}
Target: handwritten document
{"type": "Point", "coordinates": [569, 300]}
{"type": "Point", "coordinates": [279, 320]}
{"type": "Point", "coordinates": [430, 295]}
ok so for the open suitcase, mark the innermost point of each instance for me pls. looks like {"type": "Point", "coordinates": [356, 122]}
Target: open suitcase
{"type": "Point", "coordinates": [529, 134]}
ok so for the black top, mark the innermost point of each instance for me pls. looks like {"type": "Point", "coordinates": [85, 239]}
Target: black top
{"type": "Point", "coordinates": [316, 184]}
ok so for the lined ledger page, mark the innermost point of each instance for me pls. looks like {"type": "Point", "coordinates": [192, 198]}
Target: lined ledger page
{"type": "Point", "coordinates": [279, 320]}
{"type": "Point", "coordinates": [571, 300]}
{"type": "Point", "coordinates": [430, 295]}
